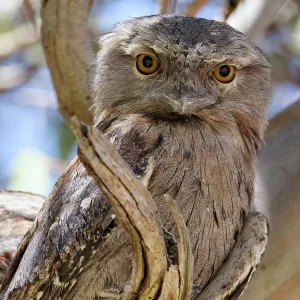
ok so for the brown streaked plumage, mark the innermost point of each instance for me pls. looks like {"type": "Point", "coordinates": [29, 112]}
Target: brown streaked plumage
{"type": "Point", "coordinates": [181, 131]}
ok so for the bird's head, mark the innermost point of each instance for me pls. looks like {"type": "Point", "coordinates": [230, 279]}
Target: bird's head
{"type": "Point", "coordinates": [177, 67]}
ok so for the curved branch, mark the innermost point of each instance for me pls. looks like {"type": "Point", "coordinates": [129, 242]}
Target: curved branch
{"type": "Point", "coordinates": [132, 204]}
{"type": "Point", "coordinates": [68, 51]}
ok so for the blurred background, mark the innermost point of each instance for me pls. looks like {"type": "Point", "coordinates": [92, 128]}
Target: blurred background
{"type": "Point", "coordinates": [36, 145]}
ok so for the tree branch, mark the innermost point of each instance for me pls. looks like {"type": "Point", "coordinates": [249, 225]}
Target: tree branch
{"type": "Point", "coordinates": [68, 51]}
{"type": "Point", "coordinates": [132, 204]}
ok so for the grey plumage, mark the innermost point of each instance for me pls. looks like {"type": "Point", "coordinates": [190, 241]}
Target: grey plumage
{"type": "Point", "coordinates": [181, 131]}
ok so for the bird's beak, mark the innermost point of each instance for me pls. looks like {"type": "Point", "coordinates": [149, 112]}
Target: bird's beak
{"type": "Point", "coordinates": [186, 100]}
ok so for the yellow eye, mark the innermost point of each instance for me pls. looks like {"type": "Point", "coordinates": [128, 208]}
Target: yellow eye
{"type": "Point", "coordinates": [147, 63]}
{"type": "Point", "coordinates": [224, 73]}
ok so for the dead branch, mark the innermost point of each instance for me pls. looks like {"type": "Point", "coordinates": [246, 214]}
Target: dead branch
{"type": "Point", "coordinates": [194, 7]}
{"type": "Point", "coordinates": [136, 211]}
{"type": "Point", "coordinates": [185, 258]}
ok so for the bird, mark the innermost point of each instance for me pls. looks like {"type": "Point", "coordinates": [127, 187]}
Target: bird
{"type": "Point", "coordinates": [184, 101]}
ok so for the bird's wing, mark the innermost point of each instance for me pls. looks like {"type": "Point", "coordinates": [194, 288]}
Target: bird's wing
{"type": "Point", "coordinates": [236, 273]}
{"type": "Point", "coordinates": [71, 225]}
